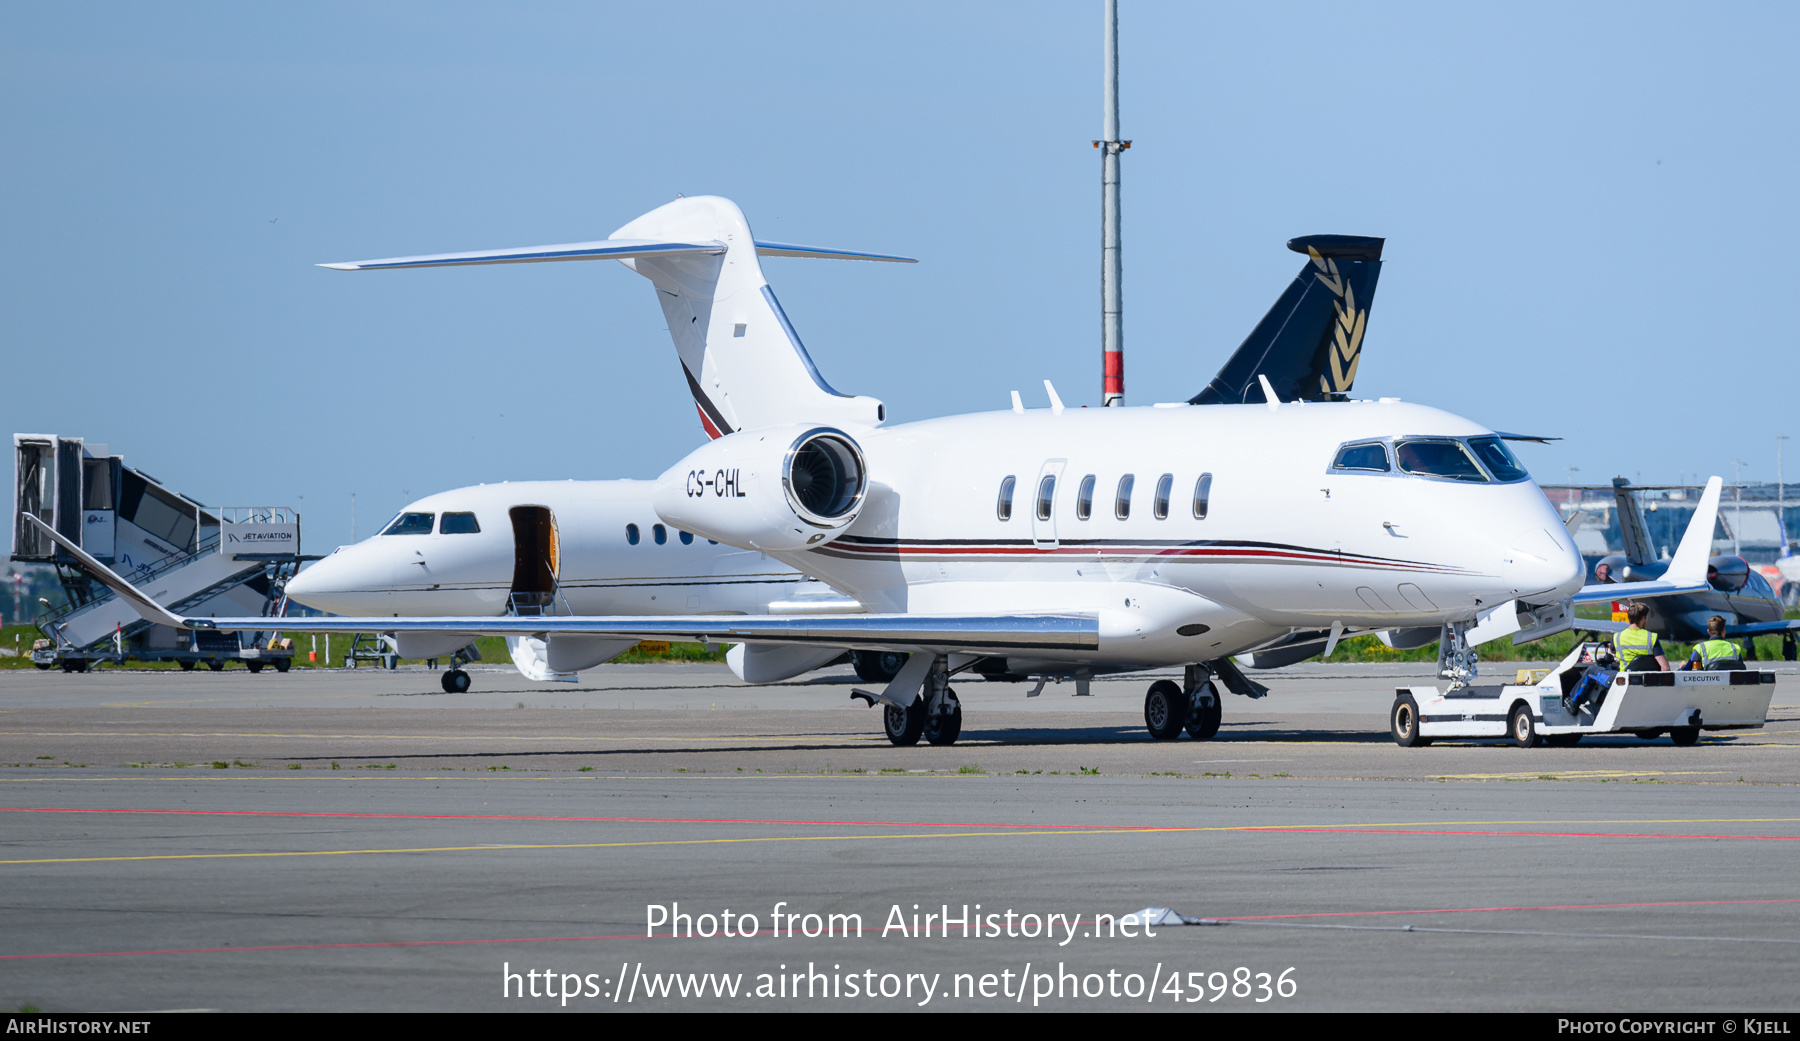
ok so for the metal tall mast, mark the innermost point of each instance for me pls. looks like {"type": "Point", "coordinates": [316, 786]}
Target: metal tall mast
{"type": "Point", "coordinates": [1112, 333]}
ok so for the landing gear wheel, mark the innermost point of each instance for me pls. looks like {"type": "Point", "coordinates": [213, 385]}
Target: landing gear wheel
{"type": "Point", "coordinates": [1684, 736]}
{"type": "Point", "coordinates": [1521, 727]}
{"type": "Point", "coordinates": [253, 666]}
{"type": "Point", "coordinates": [944, 730]}
{"type": "Point", "coordinates": [1203, 720]}
{"type": "Point", "coordinates": [1403, 723]}
{"type": "Point", "coordinates": [1165, 710]}
{"type": "Point", "coordinates": [186, 666]}
{"type": "Point", "coordinates": [904, 726]}
{"type": "Point", "coordinates": [456, 681]}
{"type": "Point", "coordinates": [1562, 740]}
{"type": "Point", "coordinates": [281, 664]}
{"type": "Point", "coordinates": [216, 666]}
{"type": "Point", "coordinates": [877, 666]}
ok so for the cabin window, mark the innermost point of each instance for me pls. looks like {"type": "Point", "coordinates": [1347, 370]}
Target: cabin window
{"type": "Point", "coordinates": [1372, 457]}
{"type": "Point", "coordinates": [687, 538]}
{"type": "Point", "coordinates": [1434, 458]}
{"type": "Point", "coordinates": [1046, 496]}
{"type": "Point", "coordinates": [1084, 498]}
{"type": "Point", "coordinates": [1499, 459]}
{"type": "Point", "coordinates": [659, 533]}
{"type": "Point", "coordinates": [631, 534]}
{"type": "Point", "coordinates": [1122, 501]}
{"type": "Point", "coordinates": [411, 524]}
{"type": "Point", "coordinates": [459, 524]}
{"type": "Point", "coordinates": [1202, 496]}
{"type": "Point", "coordinates": [1165, 485]}
{"type": "Point", "coordinates": [1003, 505]}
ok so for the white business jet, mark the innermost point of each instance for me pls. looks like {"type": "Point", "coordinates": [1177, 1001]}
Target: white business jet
{"type": "Point", "coordinates": [1137, 537]}
{"type": "Point", "coordinates": [597, 547]}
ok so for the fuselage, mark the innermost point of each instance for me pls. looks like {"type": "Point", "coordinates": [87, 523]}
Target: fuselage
{"type": "Point", "coordinates": [464, 552]}
{"type": "Point", "coordinates": [1236, 527]}
{"type": "Point", "coordinates": [1739, 596]}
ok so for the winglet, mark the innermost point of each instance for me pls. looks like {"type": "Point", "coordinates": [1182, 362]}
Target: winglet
{"type": "Point", "coordinates": [1688, 566]}
{"type": "Point", "coordinates": [148, 608]}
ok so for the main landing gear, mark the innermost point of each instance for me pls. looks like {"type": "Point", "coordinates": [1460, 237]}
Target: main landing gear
{"type": "Point", "coordinates": [456, 681]}
{"type": "Point", "coordinates": [919, 702]}
{"type": "Point", "coordinates": [1192, 706]}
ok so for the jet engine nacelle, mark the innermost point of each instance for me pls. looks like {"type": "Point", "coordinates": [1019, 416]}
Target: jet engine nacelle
{"type": "Point", "coordinates": [783, 488]}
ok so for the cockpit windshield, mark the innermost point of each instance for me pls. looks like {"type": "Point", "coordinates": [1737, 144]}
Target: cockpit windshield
{"type": "Point", "coordinates": [1499, 459]}
{"type": "Point", "coordinates": [411, 524]}
{"type": "Point", "coordinates": [1435, 458]}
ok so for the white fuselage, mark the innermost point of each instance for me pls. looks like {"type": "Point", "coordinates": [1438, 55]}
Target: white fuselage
{"type": "Point", "coordinates": [1286, 542]}
{"type": "Point", "coordinates": [599, 570]}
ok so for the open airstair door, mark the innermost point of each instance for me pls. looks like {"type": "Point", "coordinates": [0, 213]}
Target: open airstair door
{"type": "Point", "coordinates": [536, 560]}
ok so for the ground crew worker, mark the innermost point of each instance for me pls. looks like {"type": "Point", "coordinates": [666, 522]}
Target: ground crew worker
{"type": "Point", "coordinates": [1637, 642]}
{"type": "Point", "coordinates": [1716, 647]}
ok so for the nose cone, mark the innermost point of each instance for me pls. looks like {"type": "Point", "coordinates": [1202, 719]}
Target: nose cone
{"type": "Point", "coordinates": [353, 580]}
{"type": "Point", "coordinates": [1542, 565]}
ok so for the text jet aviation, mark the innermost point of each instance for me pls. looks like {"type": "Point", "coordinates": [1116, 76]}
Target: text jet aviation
{"type": "Point", "coordinates": [1137, 536]}
{"type": "Point", "coordinates": [597, 547]}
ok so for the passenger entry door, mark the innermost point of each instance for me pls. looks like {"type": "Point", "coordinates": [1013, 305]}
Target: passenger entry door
{"type": "Point", "coordinates": [1042, 503]}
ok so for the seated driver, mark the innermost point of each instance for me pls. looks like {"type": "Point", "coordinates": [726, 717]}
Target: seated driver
{"type": "Point", "coordinates": [1715, 647]}
{"type": "Point", "coordinates": [1638, 642]}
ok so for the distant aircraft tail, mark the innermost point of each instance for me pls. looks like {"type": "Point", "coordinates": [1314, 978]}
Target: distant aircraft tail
{"type": "Point", "coordinates": [1638, 549]}
{"type": "Point", "coordinates": [743, 361]}
{"type": "Point", "coordinates": [1310, 342]}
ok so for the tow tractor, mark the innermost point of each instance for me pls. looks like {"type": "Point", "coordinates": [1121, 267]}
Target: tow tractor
{"type": "Point", "coordinates": [1649, 704]}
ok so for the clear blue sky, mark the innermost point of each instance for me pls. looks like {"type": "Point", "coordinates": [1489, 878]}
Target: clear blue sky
{"type": "Point", "coordinates": [1590, 212]}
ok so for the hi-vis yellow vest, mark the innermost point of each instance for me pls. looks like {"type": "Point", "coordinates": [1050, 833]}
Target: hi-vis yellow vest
{"type": "Point", "coordinates": [1633, 644]}
{"type": "Point", "coordinates": [1713, 650]}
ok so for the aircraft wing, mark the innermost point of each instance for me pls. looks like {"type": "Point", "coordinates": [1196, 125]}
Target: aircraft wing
{"type": "Point", "coordinates": [1786, 625]}
{"type": "Point", "coordinates": [974, 634]}
{"type": "Point", "coordinates": [1686, 572]}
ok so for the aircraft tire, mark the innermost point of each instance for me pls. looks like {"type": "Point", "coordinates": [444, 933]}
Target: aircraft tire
{"type": "Point", "coordinates": [1521, 727]}
{"type": "Point", "coordinates": [1165, 710]}
{"type": "Point", "coordinates": [944, 730]}
{"type": "Point", "coordinates": [1203, 720]}
{"type": "Point", "coordinates": [1403, 723]}
{"type": "Point", "coordinates": [1684, 736]}
{"type": "Point", "coordinates": [456, 681]}
{"type": "Point", "coordinates": [904, 726]}
{"type": "Point", "coordinates": [877, 666]}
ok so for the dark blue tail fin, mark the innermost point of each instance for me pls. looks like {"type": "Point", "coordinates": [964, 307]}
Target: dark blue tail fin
{"type": "Point", "coordinates": [1310, 342]}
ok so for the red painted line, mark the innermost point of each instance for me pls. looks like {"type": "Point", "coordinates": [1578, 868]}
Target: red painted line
{"type": "Point", "coordinates": [1532, 834]}
{"type": "Point", "coordinates": [1477, 910]}
{"type": "Point", "coordinates": [595, 820]}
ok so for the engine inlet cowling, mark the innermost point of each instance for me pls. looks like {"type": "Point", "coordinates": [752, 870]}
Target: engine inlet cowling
{"type": "Point", "coordinates": [824, 478]}
{"type": "Point", "coordinates": [786, 488]}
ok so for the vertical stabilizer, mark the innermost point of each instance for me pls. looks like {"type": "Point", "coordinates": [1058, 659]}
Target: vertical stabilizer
{"type": "Point", "coordinates": [1631, 524]}
{"type": "Point", "coordinates": [743, 361]}
{"type": "Point", "coordinates": [1310, 342]}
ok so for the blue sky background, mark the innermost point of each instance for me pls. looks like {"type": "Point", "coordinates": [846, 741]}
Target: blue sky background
{"type": "Point", "coordinates": [1590, 212]}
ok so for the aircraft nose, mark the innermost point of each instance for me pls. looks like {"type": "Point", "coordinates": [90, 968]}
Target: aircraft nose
{"type": "Point", "coordinates": [340, 584]}
{"type": "Point", "coordinates": [1542, 567]}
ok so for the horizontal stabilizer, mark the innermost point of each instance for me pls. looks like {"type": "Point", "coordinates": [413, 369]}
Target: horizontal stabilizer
{"type": "Point", "coordinates": [605, 249]}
